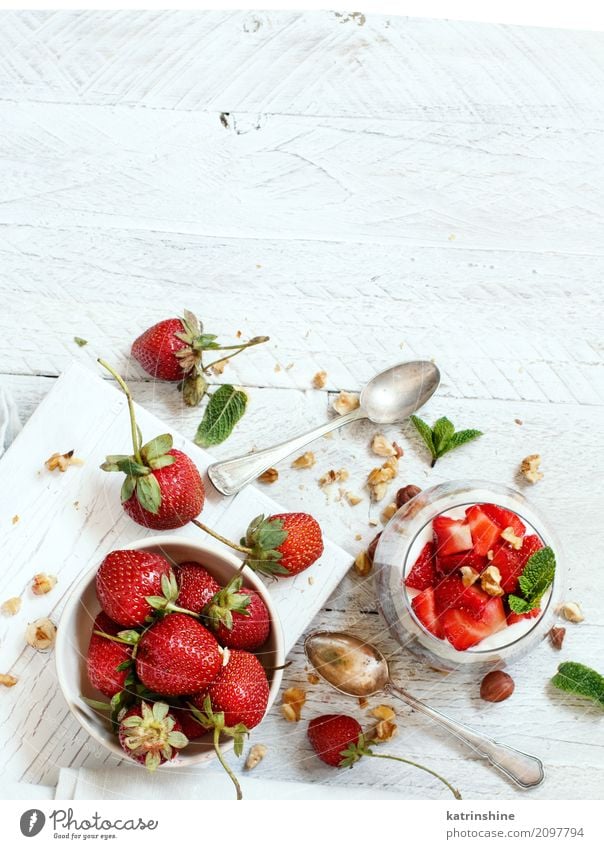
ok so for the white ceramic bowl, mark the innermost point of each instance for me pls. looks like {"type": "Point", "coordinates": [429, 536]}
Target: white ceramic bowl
{"type": "Point", "coordinates": [75, 626]}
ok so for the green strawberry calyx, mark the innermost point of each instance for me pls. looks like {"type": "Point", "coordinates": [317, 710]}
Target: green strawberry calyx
{"type": "Point", "coordinates": [152, 734]}
{"type": "Point", "coordinates": [214, 721]}
{"type": "Point", "coordinates": [263, 538]}
{"type": "Point", "coordinates": [219, 610]}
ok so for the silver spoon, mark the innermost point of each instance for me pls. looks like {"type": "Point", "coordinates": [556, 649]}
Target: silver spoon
{"type": "Point", "coordinates": [389, 397]}
{"type": "Point", "coordinates": [358, 669]}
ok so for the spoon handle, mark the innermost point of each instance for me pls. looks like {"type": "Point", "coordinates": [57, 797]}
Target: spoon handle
{"type": "Point", "coordinates": [229, 476]}
{"type": "Point", "coordinates": [525, 770]}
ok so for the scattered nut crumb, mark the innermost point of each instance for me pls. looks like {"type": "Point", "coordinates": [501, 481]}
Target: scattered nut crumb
{"type": "Point", "coordinates": [509, 536]}
{"type": "Point", "coordinates": [362, 564]}
{"type": "Point", "coordinates": [379, 478]}
{"type": "Point", "coordinates": [382, 447]}
{"type": "Point", "coordinates": [518, 421]}
{"type": "Point", "coordinates": [289, 366]}
{"type": "Point", "coordinates": [346, 402]}
{"type": "Point", "coordinates": [15, 519]}
{"type": "Point", "coordinates": [353, 499]}
{"type": "Point", "coordinates": [384, 730]}
{"type": "Point", "coordinates": [76, 504]}
{"type": "Point", "coordinates": [313, 678]}
{"type": "Point", "coordinates": [383, 712]}
{"type": "Point", "coordinates": [358, 537]}
{"type": "Point", "coordinates": [239, 334]}
{"type": "Point", "coordinates": [277, 367]}
{"type": "Point", "coordinates": [41, 634]}
{"type": "Point", "coordinates": [530, 468]}
{"type": "Point", "coordinates": [62, 461]}
{"type": "Point", "coordinates": [571, 611]}
{"type": "Point", "coordinates": [490, 554]}
{"type": "Point", "coordinates": [556, 636]}
{"type": "Point", "coordinates": [311, 580]}
{"type": "Point", "coordinates": [398, 451]}
{"type": "Point", "coordinates": [363, 702]}
{"type": "Point", "coordinates": [333, 477]}
{"type": "Point", "coordinates": [388, 512]}
{"type": "Point", "coordinates": [226, 655]}
{"type": "Point", "coordinates": [305, 461]}
{"type": "Point", "coordinates": [293, 702]}
{"type": "Point", "coordinates": [319, 380]}
{"type": "Point", "coordinates": [256, 754]}
{"type": "Point", "coordinates": [469, 576]}
{"type": "Point", "coordinates": [43, 583]}
{"type": "Point", "coordinates": [8, 680]}
{"type": "Point", "coordinates": [372, 523]}
{"type": "Point", "coordinates": [490, 581]}
{"type": "Point", "coordinates": [220, 367]}
{"type": "Point", "coordinates": [270, 476]}
{"type": "Point", "coordinates": [11, 606]}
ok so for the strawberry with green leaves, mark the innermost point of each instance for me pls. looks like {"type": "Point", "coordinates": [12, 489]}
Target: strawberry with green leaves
{"type": "Point", "coordinates": [126, 580]}
{"type": "Point", "coordinates": [108, 662]}
{"type": "Point", "coordinates": [163, 488]}
{"type": "Point", "coordinates": [238, 616]}
{"type": "Point", "coordinates": [338, 741]}
{"type": "Point", "coordinates": [151, 735]}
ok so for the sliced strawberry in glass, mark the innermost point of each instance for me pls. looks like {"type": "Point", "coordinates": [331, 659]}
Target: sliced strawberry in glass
{"type": "Point", "coordinates": [451, 535]}
{"type": "Point", "coordinates": [463, 630]}
{"type": "Point", "coordinates": [424, 607]}
{"type": "Point", "coordinates": [504, 518]}
{"type": "Point", "coordinates": [453, 562]}
{"type": "Point", "coordinates": [485, 531]}
{"type": "Point", "coordinates": [423, 573]}
{"type": "Point", "coordinates": [518, 617]}
{"type": "Point", "coordinates": [450, 593]}
{"type": "Point", "coordinates": [511, 562]}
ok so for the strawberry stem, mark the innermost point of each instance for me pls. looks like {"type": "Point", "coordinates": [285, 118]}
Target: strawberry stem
{"type": "Point", "coordinates": [135, 437]}
{"type": "Point", "coordinates": [226, 767]}
{"type": "Point", "coordinates": [453, 790]}
{"type": "Point", "coordinates": [220, 538]}
{"type": "Point", "coordinates": [257, 340]}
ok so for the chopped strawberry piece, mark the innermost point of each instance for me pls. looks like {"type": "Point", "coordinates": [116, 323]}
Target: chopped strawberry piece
{"type": "Point", "coordinates": [511, 562]}
{"type": "Point", "coordinates": [530, 545]}
{"type": "Point", "coordinates": [424, 607]}
{"type": "Point", "coordinates": [518, 617]}
{"type": "Point", "coordinates": [453, 562]}
{"type": "Point", "coordinates": [463, 630]}
{"type": "Point", "coordinates": [423, 574]}
{"type": "Point", "coordinates": [485, 532]}
{"type": "Point", "coordinates": [504, 518]}
{"type": "Point", "coordinates": [451, 594]}
{"type": "Point", "coordinates": [451, 536]}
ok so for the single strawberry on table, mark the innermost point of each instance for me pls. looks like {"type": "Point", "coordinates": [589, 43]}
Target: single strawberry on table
{"type": "Point", "coordinates": [105, 657]}
{"type": "Point", "coordinates": [151, 734]}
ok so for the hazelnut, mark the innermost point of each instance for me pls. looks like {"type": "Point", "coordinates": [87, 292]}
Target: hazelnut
{"type": "Point", "coordinates": [406, 493]}
{"type": "Point", "coordinates": [270, 476]}
{"type": "Point", "coordinates": [42, 583]}
{"type": "Point", "coordinates": [346, 402]}
{"type": "Point", "coordinates": [256, 754]}
{"type": "Point", "coordinates": [556, 636]}
{"type": "Point", "coordinates": [363, 702]}
{"type": "Point", "coordinates": [41, 634]}
{"type": "Point", "coordinates": [372, 546]}
{"type": "Point", "coordinates": [571, 611]}
{"type": "Point", "coordinates": [496, 686]}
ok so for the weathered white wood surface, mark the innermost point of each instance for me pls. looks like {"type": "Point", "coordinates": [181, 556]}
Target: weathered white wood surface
{"type": "Point", "coordinates": [363, 193]}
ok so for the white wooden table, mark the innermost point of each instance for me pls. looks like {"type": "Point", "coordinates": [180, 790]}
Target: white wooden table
{"type": "Point", "coordinates": [363, 191]}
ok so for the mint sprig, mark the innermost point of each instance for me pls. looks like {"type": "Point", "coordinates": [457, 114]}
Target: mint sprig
{"type": "Point", "coordinates": [535, 580]}
{"type": "Point", "coordinates": [225, 408]}
{"type": "Point", "coordinates": [581, 680]}
{"type": "Point", "coordinates": [442, 436]}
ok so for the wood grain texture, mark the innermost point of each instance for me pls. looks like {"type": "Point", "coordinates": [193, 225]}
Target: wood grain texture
{"type": "Point", "coordinates": [363, 194]}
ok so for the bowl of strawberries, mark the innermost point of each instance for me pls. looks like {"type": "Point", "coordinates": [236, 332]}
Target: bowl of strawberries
{"type": "Point", "coordinates": [170, 652]}
{"type": "Point", "coordinates": [468, 575]}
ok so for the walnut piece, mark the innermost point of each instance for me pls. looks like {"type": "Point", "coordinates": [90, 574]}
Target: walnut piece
{"type": "Point", "coordinates": [469, 576]}
{"type": "Point", "coordinates": [11, 606]}
{"type": "Point", "coordinates": [556, 636]}
{"type": "Point", "coordinates": [333, 476]}
{"type": "Point", "coordinates": [292, 703]}
{"type": "Point", "coordinates": [379, 478]}
{"type": "Point", "coordinates": [40, 635]}
{"type": "Point", "coordinates": [43, 583]}
{"type": "Point", "coordinates": [530, 468]}
{"type": "Point", "coordinates": [571, 611]}
{"type": "Point", "coordinates": [62, 461]}
{"type": "Point", "coordinates": [509, 536]}
{"type": "Point", "coordinates": [383, 712]}
{"type": "Point", "coordinates": [490, 581]}
{"type": "Point", "coordinates": [363, 564]}
{"type": "Point", "coordinates": [353, 499]}
{"type": "Point", "coordinates": [15, 519]}
{"type": "Point", "coordinates": [305, 461]}
{"type": "Point", "coordinates": [270, 476]}
{"type": "Point", "coordinates": [319, 380]}
{"type": "Point", "coordinates": [388, 512]}
{"type": "Point", "coordinates": [363, 702]}
{"type": "Point", "coordinates": [255, 755]}
{"type": "Point", "coordinates": [384, 730]}
{"type": "Point", "coordinates": [382, 447]}
{"type": "Point", "coordinates": [8, 680]}
{"type": "Point", "coordinates": [346, 402]}
{"type": "Point", "coordinates": [313, 678]}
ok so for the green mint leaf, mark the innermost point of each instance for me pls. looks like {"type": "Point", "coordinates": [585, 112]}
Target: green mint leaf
{"type": "Point", "coordinates": [581, 680]}
{"type": "Point", "coordinates": [425, 431]}
{"type": "Point", "coordinates": [537, 575]}
{"type": "Point", "coordinates": [460, 438]}
{"type": "Point", "coordinates": [157, 447]}
{"type": "Point", "coordinates": [519, 605]}
{"type": "Point", "coordinates": [79, 341]}
{"type": "Point", "coordinates": [225, 408]}
{"type": "Point", "coordinates": [149, 493]}
{"type": "Point", "coordinates": [442, 431]}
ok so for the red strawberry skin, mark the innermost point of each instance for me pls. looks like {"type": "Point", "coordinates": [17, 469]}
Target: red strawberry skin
{"type": "Point", "coordinates": [304, 543]}
{"type": "Point", "coordinates": [240, 691]}
{"type": "Point", "coordinates": [189, 725]}
{"type": "Point", "coordinates": [504, 518]}
{"type": "Point", "coordinates": [331, 734]}
{"type": "Point", "coordinates": [195, 586]}
{"type": "Point", "coordinates": [136, 711]}
{"type": "Point", "coordinates": [422, 574]}
{"type": "Point", "coordinates": [104, 656]}
{"type": "Point", "coordinates": [451, 536]}
{"type": "Point", "coordinates": [511, 562]}
{"type": "Point", "coordinates": [424, 607]}
{"type": "Point", "coordinates": [249, 631]}
{"type": "Point", "coordinates": [485, 531]}
{"type": "Point", "coordinates": [182, 496]}
{"type": "Point", "coordinates": [177, 656]}
{"type": "Point", "coordinates": [453, 562]}
{"type": "Point", "coordinates": [155, 350]}
{"type": "Point", "coordinates": [123, 582]}
{"type": "Point", "coordinates": [451, 593]}
{"type": "Point", "coordinates": [518, 617]}
{"type": "Point", "coordinates": [463, 630]}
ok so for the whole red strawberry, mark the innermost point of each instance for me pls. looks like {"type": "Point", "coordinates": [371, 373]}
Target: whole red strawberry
{"type": "Point", "coordinates": [238, 617]}
{"type": "Point", "coordinates": [284, 544]}
{"type": "Point", "coordinates": [125, 580]}
{"type": "Point", "coordinates": [196, 587]}
{"type": "Point", "coordinates": [151, 735]}
{"type": "Point", "coordinates": [191, 727]}
{"type": "Point", "coordinates": [158, 347]}
{"type": "Point", "coordinates": [331, 735]}
{"type": "Point", "coordinates": [104, 656]}
{"type": "Point", "coordinates": [177, 656]}
{"type": "Point", "coordinates": [240, 691]}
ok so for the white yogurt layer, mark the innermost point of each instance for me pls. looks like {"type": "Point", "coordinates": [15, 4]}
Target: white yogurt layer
{"type": "Point", "coordinates": [507, 635]}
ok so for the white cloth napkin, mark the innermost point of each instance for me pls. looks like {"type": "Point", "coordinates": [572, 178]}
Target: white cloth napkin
{"type": "Point", "coordinates": [10, 424]}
